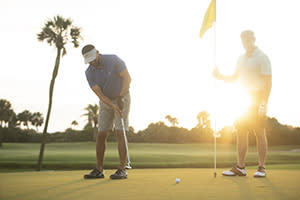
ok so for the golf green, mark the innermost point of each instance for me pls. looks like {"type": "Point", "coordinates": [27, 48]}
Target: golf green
{"type": "Point", "coordinates": [152, 184]}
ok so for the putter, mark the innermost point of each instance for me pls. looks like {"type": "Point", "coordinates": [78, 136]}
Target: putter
{"type": "Point", "coordinates": [128, 166]}
{"type": "Point", "coordinates": [121, 105]}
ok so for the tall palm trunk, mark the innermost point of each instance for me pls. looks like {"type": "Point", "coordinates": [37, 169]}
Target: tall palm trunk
{"type": "Point", "coordinates": [44, 137]}
{"type": "Point", "coordinates": [0, 135]}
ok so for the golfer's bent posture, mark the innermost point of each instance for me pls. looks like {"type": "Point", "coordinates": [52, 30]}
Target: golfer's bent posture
{"type": "Point", "coordinates": [108, 77]}
{"type": "Point", "coordinates": [253, 70]}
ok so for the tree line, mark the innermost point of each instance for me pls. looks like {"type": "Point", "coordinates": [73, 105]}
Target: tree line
{"type": "Point", "coordinates": [159, 132]}
{"type": "Point", "coordinates": [8, 117]}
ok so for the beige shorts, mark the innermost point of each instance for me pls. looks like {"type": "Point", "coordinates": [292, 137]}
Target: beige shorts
{"type": "Point", "coordinates": [109, 120]}
{"type": "Point", "coordinates": [251, 119]}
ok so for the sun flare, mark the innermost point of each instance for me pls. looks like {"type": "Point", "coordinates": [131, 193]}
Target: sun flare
{"type": "Point", "coordinates": [230, 102]}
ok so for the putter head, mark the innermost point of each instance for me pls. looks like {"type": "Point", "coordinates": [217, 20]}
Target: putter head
{"type": "Point", "coordinates": [128, 167]}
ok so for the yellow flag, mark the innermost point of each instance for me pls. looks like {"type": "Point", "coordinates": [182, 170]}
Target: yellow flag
{"type": "Point", "coordinates": [209, 18]}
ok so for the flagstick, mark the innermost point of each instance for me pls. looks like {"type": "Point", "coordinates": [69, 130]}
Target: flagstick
{"type": "Point", "coordinates": [210, 19]}
{"type": "Point", "coordinates": [215, 64]}
{"type": "Point", "coordinates": [215, 128]}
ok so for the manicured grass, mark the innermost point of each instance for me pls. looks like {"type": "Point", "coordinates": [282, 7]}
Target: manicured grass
{"type": "Point", "coordinates": [145, 184]}
{"type": "Point", "coordinates": [21, 156]}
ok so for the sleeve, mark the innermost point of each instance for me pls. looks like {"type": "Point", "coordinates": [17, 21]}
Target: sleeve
{"type": "Point", "coordinates": [119, 65]}
{"type": "Point", "coordinates": [90, 79]}
{"type": "Point", "coordinates": [265, 66]}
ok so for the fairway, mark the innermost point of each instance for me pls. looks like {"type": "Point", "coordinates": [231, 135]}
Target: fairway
{"type": "Point", "coordinates": [78, 156]}
{"type": "Point", "coordinates": [152, 184]}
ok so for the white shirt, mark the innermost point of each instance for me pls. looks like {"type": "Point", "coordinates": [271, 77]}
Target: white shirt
{"type": "Point", "coordinates": [251, 68]}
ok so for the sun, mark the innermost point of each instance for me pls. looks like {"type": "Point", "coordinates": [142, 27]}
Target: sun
{"type": "Point", "coordinates": [229, 103]}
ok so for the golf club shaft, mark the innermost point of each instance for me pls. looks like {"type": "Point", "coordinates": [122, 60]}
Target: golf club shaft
{"type": "Point", "coordinates": [215, 147]}
{"type": "Point", "coordinates": [125, 140]}
{"type": "Point", "coordinates": [215, 159]}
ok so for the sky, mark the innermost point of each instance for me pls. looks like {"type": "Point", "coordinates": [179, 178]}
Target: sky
{"type": "Point", "coordinates": [158, 40]}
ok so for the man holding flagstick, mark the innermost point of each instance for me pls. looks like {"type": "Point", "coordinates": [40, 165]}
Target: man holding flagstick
{"type": "Point", "coordinates": [254, 71]}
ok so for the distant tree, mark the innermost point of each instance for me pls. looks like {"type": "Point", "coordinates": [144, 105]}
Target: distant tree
{"type": "Point", "coordinates": [24, 118]}
{"type": "Point", "coordinates": [227, 134]}
{"type": "Point", "coordinates": [203, 120]}
{"type": "Point", "coordinates": [6, 115]}
{"type": "Point", "coordinates": [92, 117]}
{"type": "Point", "coordinates": [37, 120]}
{"type": "Point", "coordinates": [172, 120]}
{"type": "Point", "coordinates": [57, 32]}
{"type": "Point", "coordinates": [6, 112]}
{"type": "Point", "coordinates": [12, 123]}
{"type": "Point", "coordinates": [74, 123]}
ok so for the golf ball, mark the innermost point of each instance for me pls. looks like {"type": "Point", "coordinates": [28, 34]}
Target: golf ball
{"type": "Point", "coordinates": [177, 180]}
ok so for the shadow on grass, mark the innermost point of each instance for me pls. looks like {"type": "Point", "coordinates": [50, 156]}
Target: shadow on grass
{"type": "Point", "coordinates": [49, 192]}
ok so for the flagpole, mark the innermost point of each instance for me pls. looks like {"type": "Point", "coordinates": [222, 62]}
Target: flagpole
{"type": "Point", "coordinates": [215, 64]}
{"type": "Point", "coordinates": [209, 20]}
{"type": "Point", "coordinates": [215, 128]}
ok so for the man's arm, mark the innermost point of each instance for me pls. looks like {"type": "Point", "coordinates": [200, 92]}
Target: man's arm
{"type": "Point", "coordinates": [226, 78]}
{"type": "Point", "coordinates": [268, 87]}
{"type": "Point", "coordinates": [126, 82]}
{"type": "Point", "coordinates": [97, 90]}
{"type": "Point", "coordinates": [264, 94]}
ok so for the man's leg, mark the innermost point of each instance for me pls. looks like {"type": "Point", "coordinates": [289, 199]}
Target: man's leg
{"type": "Point", "coordinates": [121, 148]}
{"type": "Point", "coordinates": [242, 147]}
{"type": "Point", "coordinates": [262, 146]}
{"type": "Point", "coordinates": [100, 148]}
{"type": "Point", "coordinates": [121, 172]}
{"type": "Point", "coordinates": [261, 143]}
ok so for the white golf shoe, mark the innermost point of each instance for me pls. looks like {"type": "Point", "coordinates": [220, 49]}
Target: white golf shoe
{"type": "Point", "coordinates": [260, 173]}
{"type": "Point", "coordinates": [235, 171]}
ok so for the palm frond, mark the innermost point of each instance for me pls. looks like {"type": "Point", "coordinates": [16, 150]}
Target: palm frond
{"type": "Point", "coordinates": [59, 31]}
{"type": "Point", "coordinates": [75, 35]}
{"type": "Point", "coordinates": [64, 51]}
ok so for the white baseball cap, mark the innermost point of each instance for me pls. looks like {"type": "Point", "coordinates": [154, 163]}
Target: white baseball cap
{"type": "Point", "coordinates": [90, 56]}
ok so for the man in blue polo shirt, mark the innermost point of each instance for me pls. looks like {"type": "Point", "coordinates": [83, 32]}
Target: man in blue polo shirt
{"type": "Point", "coordinates": [108, 77]}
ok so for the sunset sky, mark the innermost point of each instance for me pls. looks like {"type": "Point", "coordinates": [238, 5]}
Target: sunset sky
{"type": "Point", "coordinates": [169, 64]}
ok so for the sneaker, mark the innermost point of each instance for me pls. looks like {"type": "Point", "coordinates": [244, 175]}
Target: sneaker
{"type": "Point", "coordinates": [261, 172]}
{"type": "Point", "coordinates": [94, 174]}
{"type": "Point", "coordinates": [119, 174]}
{"type": "Point", "coordinates": [236, 170]}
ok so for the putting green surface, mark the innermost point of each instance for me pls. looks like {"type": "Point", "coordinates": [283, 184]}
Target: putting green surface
{"type": "Point", "coordinates": [152, 184]}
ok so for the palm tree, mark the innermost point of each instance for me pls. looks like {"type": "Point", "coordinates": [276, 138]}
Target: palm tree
{"type": "Point", "coordinates": [92, 115]}
{"type": "Point", "coordinates": [6, 112]}
{"type": "Point", "coordinates": [203, 120]}
{"type": "Point", "coordinates": [37, 120]}
{"type": "Point", "coordinates": [57, 32]}
{"type": "Point", "coordinates": [24, 118]}
{"type": "Point", "coordinates": [73, 124]}
{"type": "Point", "coordinates": [6, 115]}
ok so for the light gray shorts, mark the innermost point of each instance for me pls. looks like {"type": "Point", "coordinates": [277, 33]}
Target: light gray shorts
{"type": "Point", "coordinates": [109, 120]}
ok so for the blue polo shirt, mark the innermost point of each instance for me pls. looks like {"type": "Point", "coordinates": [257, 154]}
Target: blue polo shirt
{"type": "Point", "coordinates": [108, 76]}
